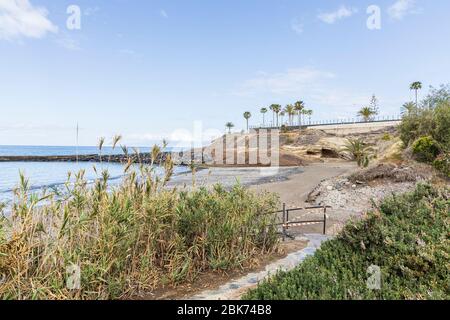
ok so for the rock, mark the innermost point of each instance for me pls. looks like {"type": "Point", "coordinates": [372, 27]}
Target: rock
{"type": "Point", "coordinates": [329, 153]}
{"type": "Point", "coordinates": [354, 186]}
{"type": "Point", "coordinates": [330, 188]}
{"type": "Point", "coordinates": [314, 150]}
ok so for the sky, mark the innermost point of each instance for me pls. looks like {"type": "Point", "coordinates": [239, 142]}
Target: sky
{"type": "Point", "coordinates": [158, 69]}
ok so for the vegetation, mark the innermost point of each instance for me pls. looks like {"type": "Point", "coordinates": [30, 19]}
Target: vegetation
{"type": "Point", "coordinates": [426, 128]}
{"type": "Point", "coordinates": [416, 86]}
{"type": "Point", "coordinates": [276, 109]}
{"type": "Point", "coordinates": [367, 113]}
{"type": "Point", "coordinates": [247, 116]}
{"type": "Point", "coordinates": [130, 238]}
{"type": "Point", "coordinates": [263, 112]}
{"type": "Point", "coordinates": [407, 239]}
{"type": "Point", "coordinates": [299, 106]}
{"type": "Point", "coordinates": [442, 164]}
{"type": "Point", "coordinates": [290, 111]}
{"type": "Point", "coordinates": [426, 149]}
{"type": "Point", "coordinates": [360, 151]}
{"type": "Point", "coordinates": [229, 126]}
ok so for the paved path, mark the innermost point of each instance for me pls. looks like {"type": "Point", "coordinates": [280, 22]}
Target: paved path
{"type": "Point", "coordinates": [236, 288]}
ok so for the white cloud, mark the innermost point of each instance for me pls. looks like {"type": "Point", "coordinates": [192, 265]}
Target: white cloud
{"type": "Point", "coordinates": [341, 13]}
{"type": "Point", "coordinates": [321, 90]}
{"type": "Point", "coordinates": [163, 13]}
{"type": "Point", "coordinates": [19, 18]}
{"type": "Point", "coordinates": [297, 26]}
{"type": "Point", "coordinates": [402, 8]}
{"type": "Point", "coordinates": [291, 81]}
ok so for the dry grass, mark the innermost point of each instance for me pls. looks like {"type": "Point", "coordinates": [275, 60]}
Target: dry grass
{"type": "Point", "coordinates": [128, 239]}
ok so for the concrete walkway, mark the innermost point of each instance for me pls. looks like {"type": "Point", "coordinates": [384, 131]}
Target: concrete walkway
{"type": "Point", "coordinates": [236, 288]}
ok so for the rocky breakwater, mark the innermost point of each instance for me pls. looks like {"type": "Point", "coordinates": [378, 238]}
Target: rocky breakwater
{"type": "Point", "coordinates": [180, 158]}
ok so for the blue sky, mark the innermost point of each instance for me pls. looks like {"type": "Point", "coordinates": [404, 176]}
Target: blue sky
{"type": "Point", "coordinates": [147, 69]}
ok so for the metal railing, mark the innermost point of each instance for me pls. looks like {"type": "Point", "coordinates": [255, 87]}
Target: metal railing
{"type": "Point", "coordinates": [286, 224]}
{"type": "Point", "coordinates": [308, 123]}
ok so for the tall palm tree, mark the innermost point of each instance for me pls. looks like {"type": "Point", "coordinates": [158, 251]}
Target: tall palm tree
{"type": "Point", "coordinates": [299, 106]}
{"type": "Point", "coordinates": [264, 111]}
{"type": "Point", "coordinates": [366, 113]}
{"type": "Point", "coordinates": [276, 108]}
{"type": "Point", "coordinates": [247, 115]}
{"type": "Point", "coordinates": [230, 126]}
{"type": "Point", "coordinates": [282, 114]}
{"type": "Point", "coordinates": [309, 113]}
{"type": "Point", "coordinates": [416, 86]}
{"type": "Point", "coordinates": [290, 112]}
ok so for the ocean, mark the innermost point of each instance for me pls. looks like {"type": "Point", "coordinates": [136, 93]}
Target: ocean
{"type": "Point", "coordinates": [53, 174]}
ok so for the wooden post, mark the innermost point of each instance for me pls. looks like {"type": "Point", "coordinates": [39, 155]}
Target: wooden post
{"type": "Point", "coordinates": [324, 220]}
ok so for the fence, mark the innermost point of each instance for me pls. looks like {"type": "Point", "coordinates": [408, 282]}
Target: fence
{"type": "Point", "coordinates": [308, 123]}
{"type": "Point", "coordinates": [286, 224]}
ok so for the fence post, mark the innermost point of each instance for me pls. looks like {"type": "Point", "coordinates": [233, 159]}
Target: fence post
{"type": "Point", "coordinates": [284, 221]}
{"type": "Point", "coordinates": [324, 220]}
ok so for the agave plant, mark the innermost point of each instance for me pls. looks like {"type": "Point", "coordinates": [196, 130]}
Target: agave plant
{"type": "Point", "coordinates": [360, 151]}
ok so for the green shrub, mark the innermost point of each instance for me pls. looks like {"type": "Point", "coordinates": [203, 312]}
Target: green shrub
{"type": "Point", "coordinates": [442, 164]}
{"type": "Point", "coordinates": [431, 118]}
{"type": "Point", "coordinates": [441, 132]}
{"type": "Point", "coordinates": [386, 137]}
{"type": "Point", "coordinates": [426, 149]}
{"type": "Point", "coordinates": [408, 240]}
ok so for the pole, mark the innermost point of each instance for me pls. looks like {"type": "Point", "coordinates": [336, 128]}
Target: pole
{"type": "Point", "coordinates": [284, 221]}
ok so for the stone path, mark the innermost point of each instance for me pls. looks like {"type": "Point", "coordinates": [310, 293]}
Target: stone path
{"type": "Point", "coordinates": [236, 288]}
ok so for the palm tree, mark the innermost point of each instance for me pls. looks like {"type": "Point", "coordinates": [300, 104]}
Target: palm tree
{"type": "Point", "coordinates": [299, 106]}
{"type": "Point", "coordinates": [276, 108]}
{"type": "Point", "coordinates": [290, 112]}
{"type": "Point", "coordinates": [264, 111]}
{"type": "Point", "coordinates": [416, 86]}
{"type": "Point", "coordinates": [247, 115]}
{"type": "Point", "coordinates": [309, 113]}
{"type": "Point", "coordinates": [273, 114]}
{"type": "Point", "coordinates": [366, 113]}
{"type": "Point", "coordinates": [408, 108]}
{"type": "Point", "coordinates": [360, 151]}
{"type": "Point", "coordinates": [282, 114]}
{"type": "Point", "coordinates": [230, 126]}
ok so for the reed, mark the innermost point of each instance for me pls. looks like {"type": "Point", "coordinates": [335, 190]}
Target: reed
{"type": "Point", "coordinates": [128, 239]}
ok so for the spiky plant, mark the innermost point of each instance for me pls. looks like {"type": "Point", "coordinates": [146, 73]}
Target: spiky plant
{"type": "Point", "coordinates": [360, 151]}
{"type": "Point", "coordinates": [366, 113]}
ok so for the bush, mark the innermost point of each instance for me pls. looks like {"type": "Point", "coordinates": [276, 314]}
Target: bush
{"type": "Point", "coordinates": [442, 164]}
{"type": "Point", "coordinates": [386, 137]}
{"type": "Point", "coordinates": [432, 118]}
{"type": "Point", "coordinates": [408, 240]}
{"type": "Point", "coordinates": [426, 149]}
